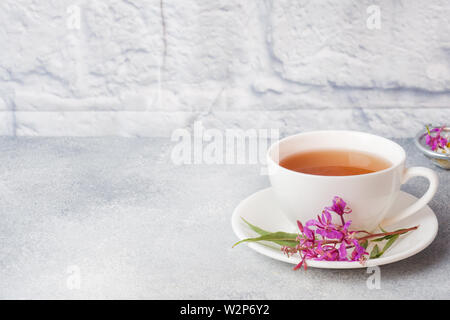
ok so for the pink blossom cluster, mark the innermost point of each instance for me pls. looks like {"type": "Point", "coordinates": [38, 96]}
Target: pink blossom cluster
{"type": "Point", "coordinates": [321, 239]}
{"type": "Point", "coordinates": [435, 140]}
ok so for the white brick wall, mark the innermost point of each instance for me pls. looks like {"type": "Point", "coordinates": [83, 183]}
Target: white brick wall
{"type": "Point", "coordinates": [146, 67]}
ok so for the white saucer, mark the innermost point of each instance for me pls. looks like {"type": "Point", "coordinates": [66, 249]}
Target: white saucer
{"type": "Point", "coordinates": [261, 209]}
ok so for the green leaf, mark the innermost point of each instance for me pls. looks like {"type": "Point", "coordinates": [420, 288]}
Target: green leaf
{"type": "Point", "coordinates": [382, 229]}
{"type": "Point", "coordinates": [375, 252]}
{"type": "Point", "coordinates": [260, 231]}
{"type": "Point", "coordinates": [384, 238]}
{"type": "Point", "coordinates": [364, 244]}
{"type": "Point", "coordinates": [388, 244]}
{"type": "Point", "coordinates": [263, 232]}
{"type": "Point", "coordinates": [281, 238]}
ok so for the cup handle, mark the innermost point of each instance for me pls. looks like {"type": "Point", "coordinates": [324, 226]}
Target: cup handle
{"type": "Point", "coordinates": [419, 204]}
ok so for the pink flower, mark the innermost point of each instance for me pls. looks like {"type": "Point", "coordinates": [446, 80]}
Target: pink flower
{"type": "Point", "coordinates": [339, 206]}
{"type": "Point", "coordinates": [322, 240]}
{"type": "Point", "coordinates": [359, 251]}
{"type": "Point", "coordinates": [335, 240]}
{"type": "Point", "coordinates": [343, 252]}
{"type": "Point", "coordinates": [325, 227]}
{"type": "Point", "coordinates": [436, 141]}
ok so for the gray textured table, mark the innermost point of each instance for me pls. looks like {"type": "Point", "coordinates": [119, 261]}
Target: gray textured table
{"type": "Point", "coordinates": [114, 218]}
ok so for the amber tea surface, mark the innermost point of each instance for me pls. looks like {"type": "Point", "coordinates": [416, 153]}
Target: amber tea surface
{"type": "Point", "coordinates": [334, 162]}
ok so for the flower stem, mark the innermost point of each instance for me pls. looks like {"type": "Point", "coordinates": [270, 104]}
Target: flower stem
{"type": "Point", "coordinates": [371, 235]}
{"type": "Point", "coordinates": [383, 234]}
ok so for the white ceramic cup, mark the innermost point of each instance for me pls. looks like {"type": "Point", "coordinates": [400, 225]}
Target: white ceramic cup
{"type": "Point", "coordinates": [303, 196]}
